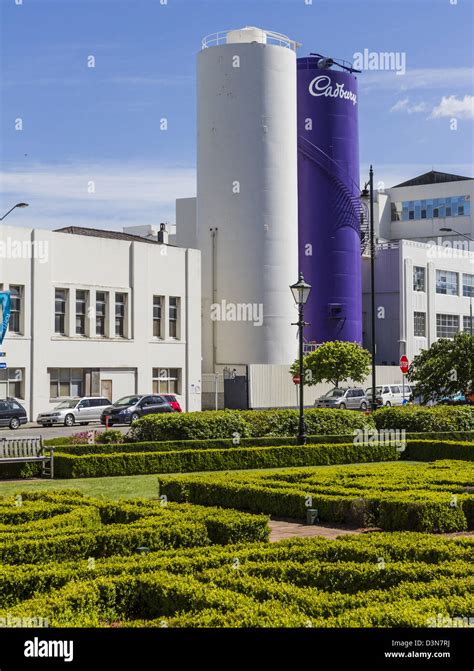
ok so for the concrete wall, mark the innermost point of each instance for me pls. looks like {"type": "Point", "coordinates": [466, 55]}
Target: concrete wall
{"type": "Point", "coordinates": [273, 387]}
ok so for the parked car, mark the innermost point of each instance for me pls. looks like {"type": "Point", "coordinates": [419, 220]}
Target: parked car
{"type": "Point", "coordinates": [12, 413]}
{"type": "Point", "coordinates": [75, 411]}
{"type": "Point", "coordinates": [390, 394]}
{"type": "Point", "coordinates": [342, 398]}
{"type": "Point", "coordinates": [129, 408]}
{"type": "Point", "coordinates": [456, 399]}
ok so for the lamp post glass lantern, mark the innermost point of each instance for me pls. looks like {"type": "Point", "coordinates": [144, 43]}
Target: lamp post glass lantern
{"type": "Point", "coordinates": [301, 291]}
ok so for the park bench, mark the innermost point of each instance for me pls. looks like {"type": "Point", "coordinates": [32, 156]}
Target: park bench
{"type": "Point", "coordinates": [25, 450]}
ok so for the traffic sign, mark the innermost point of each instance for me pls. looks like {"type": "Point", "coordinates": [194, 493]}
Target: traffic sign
{"type": "Point", "coordinates": [404, 364]}
{"type": "Point", "coordinates": [296, 379]}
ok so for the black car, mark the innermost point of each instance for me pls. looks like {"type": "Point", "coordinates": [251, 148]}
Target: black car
{"type": "Point", "coordinates": [129, 408]}
{"type": "Point", "coordinates": [12, 414]}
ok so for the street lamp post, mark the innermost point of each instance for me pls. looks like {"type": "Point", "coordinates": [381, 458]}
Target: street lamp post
{"type": "Point", "coordinates": [12, 208]}
{"type": "Point", "coordinates": [370, 195]}
{"type": "Point", "coordinates": [468, 237]}
{"type": "Point", "coordinates": [301, 291]}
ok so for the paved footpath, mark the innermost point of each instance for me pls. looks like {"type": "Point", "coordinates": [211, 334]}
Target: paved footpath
{"type": "Point", "coordinates": [280, 529]}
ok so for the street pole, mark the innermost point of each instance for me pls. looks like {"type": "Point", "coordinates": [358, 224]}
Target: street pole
{"type": "Point", "coordinates": [372, 285]}
{"type": "Point", "coordinates": [301, 426]}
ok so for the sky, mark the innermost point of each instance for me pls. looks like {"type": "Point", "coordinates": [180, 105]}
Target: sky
{"type": "Point", "coordinates": [83, 145]}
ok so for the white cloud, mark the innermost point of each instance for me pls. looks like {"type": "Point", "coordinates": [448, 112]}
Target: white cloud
{"type": "Point", "coordinates": [451, 106]}
{"type": "Point", "coordinates": [419, 78]}
{"type": "Point", "coordinates": [404, 105]}
{"type": "Point", "coordinates": [126, 194]}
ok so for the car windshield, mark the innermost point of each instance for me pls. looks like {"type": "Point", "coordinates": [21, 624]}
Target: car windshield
{"type": "Point", "coordinates": [378, 390]}
{"type": "Point", "coordinates": [127, 400]}
{"type": "Point", "coordinates": [335, 393]}
{"type": "Point", "coordinates": [66, 404]}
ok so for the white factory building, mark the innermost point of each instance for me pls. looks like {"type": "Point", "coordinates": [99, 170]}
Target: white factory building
{"type": "Point", "coordinates": [96, 312]}
{"type": "Point", "coordinates": [424, 275]}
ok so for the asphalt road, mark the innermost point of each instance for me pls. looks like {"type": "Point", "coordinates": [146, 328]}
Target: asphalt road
{"type": "Point", "coordinates": [34, 430]}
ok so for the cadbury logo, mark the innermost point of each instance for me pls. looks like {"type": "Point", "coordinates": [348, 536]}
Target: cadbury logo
{"type": "Point", "coordinates": [322, 86]}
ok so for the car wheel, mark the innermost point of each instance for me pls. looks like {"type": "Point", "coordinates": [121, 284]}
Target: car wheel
{"type": "Point", "coordinates": [342, 406]}
{"type": "Point", "coordinates": [14, 423]}
{"type": "Point", "coordinates": [388, 404]}
{"type": "Point", "coordinates": [69, 420]}
{"type": "Point", "coordinates": [134, 417]}
{"type": "Point", "coordinates": [363, 405]}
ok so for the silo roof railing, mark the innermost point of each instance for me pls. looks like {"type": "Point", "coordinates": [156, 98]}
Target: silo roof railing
{"type": "Point", "coordinates": [216, 39]}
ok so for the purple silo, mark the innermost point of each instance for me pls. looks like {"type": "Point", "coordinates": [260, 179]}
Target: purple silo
{"type": "Point", "coordinates": [328, 201]}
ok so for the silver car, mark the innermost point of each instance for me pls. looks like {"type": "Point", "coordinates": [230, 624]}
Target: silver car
{"type": "Point", "coordinates": [342, 398]}
{"type": "Point", "coordinates": [75, 411]}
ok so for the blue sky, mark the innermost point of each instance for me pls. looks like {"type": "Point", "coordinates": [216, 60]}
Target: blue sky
{"type": "Point", "coordinates": [101, 124]}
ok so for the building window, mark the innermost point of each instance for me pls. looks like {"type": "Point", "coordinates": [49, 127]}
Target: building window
{"type": "Point", "coordinates": [418, 278]}
{"type": "Point", "coordinates": [81, 311]}
{"type": "Point", "coordinates": [468, 324]}
{"type": "Point", "coordinates": [11, 383]}
{"type": "Point", "coordinates": [173, 316]}
{"type": "Point", "coordinates": [60, 302]}
{"type": "Point", "coordinates": [431, 208]}
{"type": "Point", "coordinates": [447, 326]}
{"type": "Point", "coordinates": [157, 307]}
{"type": "Point", "coordinates": [120, 311]}
{"type": "Point", "coordinates": [16, 294]}
{"type": "Point", "coordinates": [468, 285]}
{"type": "Point", "coordinates": [420, 324]}
{"type": "Point", "coordinates": [66, 382]}
{"type": "Point", "coordinates": [100, 312]}
{"type": "Point", "coordinates": [166, 380]}
{"type": "Point", "coordinates": [446, 283]}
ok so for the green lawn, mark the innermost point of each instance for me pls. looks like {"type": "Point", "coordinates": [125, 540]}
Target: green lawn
{"type": "Point", "coordinates": [128, 486]}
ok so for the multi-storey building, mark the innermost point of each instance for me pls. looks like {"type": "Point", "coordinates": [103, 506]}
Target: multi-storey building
{"type": "Point", "coordinates": [96, 312]}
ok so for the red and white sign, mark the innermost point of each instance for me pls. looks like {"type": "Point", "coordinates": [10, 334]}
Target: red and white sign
{"type": "Point", "coordinates": [404, 364]}
{"type": "Point", "coordinates": [296, 379]}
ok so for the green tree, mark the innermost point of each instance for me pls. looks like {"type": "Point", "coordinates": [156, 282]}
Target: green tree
{"type": "Point", "coordinates": [446, 368]}
{"type": "Point", "coordinates": [334, 362]}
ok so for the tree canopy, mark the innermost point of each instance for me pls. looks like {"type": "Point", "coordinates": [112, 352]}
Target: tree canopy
{"type": "Point", "coordinates": [334, 362]}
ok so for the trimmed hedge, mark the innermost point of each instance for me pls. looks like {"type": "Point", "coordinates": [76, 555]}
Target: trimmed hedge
{"type": "Point", "coordinates": [187, 461]}
{"type": "Point", "coordinates": [207, 425]}
{"type": "Point", "coordinates": [298, 583]}
{"type": "Point", "coordinates": [435, 497]}
{"type": "Point", "coordinates": [432, 450]}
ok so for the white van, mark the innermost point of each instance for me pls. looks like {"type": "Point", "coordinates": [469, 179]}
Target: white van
{"type": "Point", "coordinates": [390, 394]}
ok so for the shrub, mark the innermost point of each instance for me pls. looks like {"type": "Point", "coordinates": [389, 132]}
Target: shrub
{"type": "Point", "coordinates": [110, 436]}
{"type": "Point", "coordinates": [418, 418]}
{"type": "Point", "coordinates": [247, 423]}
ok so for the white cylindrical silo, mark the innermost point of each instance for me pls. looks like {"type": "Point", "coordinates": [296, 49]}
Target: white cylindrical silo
{"type": "Point", "coordinates": [247, 197]}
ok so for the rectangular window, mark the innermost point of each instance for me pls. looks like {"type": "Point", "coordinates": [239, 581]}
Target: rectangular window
{"type": "Point", "coordinates": [446, 283]}
{"type": "Point", "coordinates": [418, 278]}
{"type": "Point", "coordinates": [467, 325]}
{"type": "Point", "coordinates": [120, 308]}
{"type": "Point", "coordinates": [11, 383]}
{"type": "Point", "coordinates": [166, 380]}
{"type": "Point", "coordinates": [81, 311]}
{"type": "Point", "coordinates": [173, 316]}
{"type": "Point", "coordinates": [60, 302]}
{"type": "Point", "coordinates": [16, 294]}
{"type": "Point", "coordinates": [66, 382]}
{"type": "Point", "coordinates": [447, 326]}
{"type": "Point", "coordinates": [157, 308]}
{"type": "Point", "coordinates": [420, 324]}
{"type": "Point", "coordinates": [100, 312]}
{"type": "Point", "coordinates": [468, 285]}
